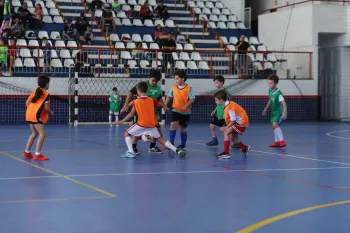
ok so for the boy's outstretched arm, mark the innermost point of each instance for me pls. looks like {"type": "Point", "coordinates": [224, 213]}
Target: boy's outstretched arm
{"type": "Point", "coordinates": [129, 116]}
{"type": "Point", "coordinates": [266, 107]}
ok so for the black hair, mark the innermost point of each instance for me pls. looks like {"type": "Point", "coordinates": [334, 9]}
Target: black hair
{"type": "Point", "coordinates": [274, 78]}
{"type": "Point", "coordinates": [221, 95]}
{"type": "Point", "coordinates": [155, 74]}
{"type": "Point", "coordinates": [115, 89]}
{"type": "Point", "coordinates": [219, 78]}
{"type": "Point", "coordinates": [43, 80]}
{"type": "Point", "coordinates": [142, 87]}
{"type": "Point", "coordinates": [182, 74]}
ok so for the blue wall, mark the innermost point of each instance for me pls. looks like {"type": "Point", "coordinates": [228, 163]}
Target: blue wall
{"type": "Point", "coordinates": [96, 109]}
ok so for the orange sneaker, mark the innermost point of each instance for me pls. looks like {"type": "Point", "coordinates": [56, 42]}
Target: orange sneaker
{"type": "Point", "coordinates": [40, 157]}
{"type": "Point", "coordinates": [282, 144]}
{"type": "Point", "coordinates": [275, 144]}
{"type": "Point", "coordinates": [27, 155]}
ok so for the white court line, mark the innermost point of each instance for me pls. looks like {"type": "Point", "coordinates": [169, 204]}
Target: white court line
{"type": "Point", "coordinates": [287, 155]}
{"type": "Point", "coordinates": [228, 170]}
{"type": "Point", "coordinates": [329, 134]}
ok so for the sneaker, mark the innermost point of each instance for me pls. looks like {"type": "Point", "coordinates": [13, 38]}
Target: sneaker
{"type": "Point", "coordinates": [180, 152]}
{"type": "Point", "coordinates": [282, 144]}
{"type": "Point", "coordinates": [245, 151]}
{"type": "Point", "coordinates": [27, 155]}
{"type": "Point", "coordinates": [235, 146]}
{"type": "Point", "coordinates": [213, 143]}
{"type": "Point", "coordinates": [128, 154]}
{"type": "Point", "coordinates": [275, 144]}
{"type": "Point", "coordinates": [155, 150]}
{"type": "Point", "coordinates": [181, 147]}
{"type": "Point", "coordinates": [223, 155]}
{"type": "Point", "coordinates": [40, 157]}
{"type": "Point", "coordinates": [136, 152]}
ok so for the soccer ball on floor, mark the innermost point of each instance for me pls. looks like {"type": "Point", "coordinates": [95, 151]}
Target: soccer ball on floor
{"type": "Point", "coordinates": [146, 137]}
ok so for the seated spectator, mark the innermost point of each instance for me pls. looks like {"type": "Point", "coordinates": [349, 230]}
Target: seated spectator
{"type": "Point", "coordinates": [132, 13]}
{"type": "Point", "coordinates": [89, 35]}
{"type": "Point", "coordinates": [159, 35]}
{"type": "Point", "coordinates": [69, 31]}
{"type": "Point", "coordinates": [17, 29]}
{"type": "Point", "coordinates": [145, 12]}
{"type": "Point", "coordinates": [5, 26]}
{"type": "Point", "coordinates": [38, 15]}
{"type": "Point", "coordinates": [140, 54]}
{"type": "Point", "coordinates": [107, 17]}
{"type": "Point", "coordinates": [169, 44]}
{"type": "Point", "coordinates": [116, 7]}
{"type": "Point", "coordinates": [81, 24]}
{"type": "Point", "coordinates": [162, 11]}
{"type": "Point", "coordinates": [94, 5]}
{"type": "Point", "coordinates": [3, 57]}
{"type": "Point", "coordinates": [25, 16]}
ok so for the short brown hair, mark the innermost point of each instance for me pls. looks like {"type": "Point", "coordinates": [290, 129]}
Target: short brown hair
{"type": "Point", "coordinates": [219, 78]}
{"type": "Point", "coordinates": [274, 78]}
{"type": "Point", "coordinates": [221, 95]}
{"type": "Point", "coordinates": [142, 87]}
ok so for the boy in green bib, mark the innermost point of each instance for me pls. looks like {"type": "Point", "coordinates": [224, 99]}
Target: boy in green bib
{"type": "Point", "coordinates": [279, 110]}
{"type": "Point", "coordinates": [218, 113]}
{"type": "Point", "coordinates": [114, 105]}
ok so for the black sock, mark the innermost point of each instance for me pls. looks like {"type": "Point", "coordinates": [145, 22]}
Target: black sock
{"type": "Point", "coordinates": [134, 147]}
{"type": "Point", "coordinates": [152, 145]}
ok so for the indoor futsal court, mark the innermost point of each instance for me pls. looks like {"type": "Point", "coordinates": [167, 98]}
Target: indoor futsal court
{"type": "Point", "coordinates": [87, 187]}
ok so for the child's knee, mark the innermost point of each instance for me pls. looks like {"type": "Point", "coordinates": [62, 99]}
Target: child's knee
{"type": "Point", "coordinates": [183, 128]}
{"type": "Point", "coordinates": [126, 134]}
{"type": "Point", "coordinates": [274, 125]}
{"type": "Point", "coordinates": [173, 125]}
{"type": "Point", "coordinates": [212, 127]}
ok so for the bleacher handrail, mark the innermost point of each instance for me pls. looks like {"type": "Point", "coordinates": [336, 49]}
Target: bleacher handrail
{"type": "Point", "coordinates": [274, 9]}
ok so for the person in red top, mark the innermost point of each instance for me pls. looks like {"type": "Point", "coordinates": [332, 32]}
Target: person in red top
{"type": "Point", "coordinates": [145, 12]}
{"type": "Point", "coordinates": [146, 121]}
{"type": "Point", "coordinates": [236, 120]}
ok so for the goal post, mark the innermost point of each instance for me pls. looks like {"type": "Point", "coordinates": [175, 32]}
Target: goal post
{"type": "Point", "coordinates": [89, 96]}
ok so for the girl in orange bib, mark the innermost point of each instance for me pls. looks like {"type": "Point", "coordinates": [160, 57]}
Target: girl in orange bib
{"type": "Point", "coordinates": [236, 120]}
{"type": "Point", "coordinates": [37, 115]}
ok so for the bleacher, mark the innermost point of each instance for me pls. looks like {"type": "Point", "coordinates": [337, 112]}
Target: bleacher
{"type": "Point", "coordinates": [206, 32]}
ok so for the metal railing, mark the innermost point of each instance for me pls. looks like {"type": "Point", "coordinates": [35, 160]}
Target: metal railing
{"type": "Point", "coordinates": [136, 62]}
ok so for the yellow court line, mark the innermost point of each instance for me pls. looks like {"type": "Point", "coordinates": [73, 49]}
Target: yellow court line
{"type": "Point", "coordinates": [61, 175]}
{"type": "Point", "coordinates": [269, 221]}
{"type": "Point", "coordinates": [53, 199]}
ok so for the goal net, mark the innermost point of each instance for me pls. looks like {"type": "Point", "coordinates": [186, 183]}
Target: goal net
{"type": "Point", "coordinates": [89, 96]}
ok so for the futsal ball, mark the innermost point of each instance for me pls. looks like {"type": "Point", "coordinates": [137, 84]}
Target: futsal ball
{"type": "Point", "coordinates": [146, 137]}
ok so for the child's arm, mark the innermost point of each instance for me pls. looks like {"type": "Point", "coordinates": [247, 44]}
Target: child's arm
{"type": "Point", "coordinates": [162, 104]}
{"type": "Point", "coordinates": [127, 101]}
{"type": "Point", "coordinates": [131, 104]}
{"type": "Point", "coordinates": [129, 116]}
{"type": "Point", "coordinates": [191, 97]}
{"type": "Point", "coordinates": [47, 108]}
{"type": "Point", "coordinates": [232, 121]}
{"type": "Point", "coordinates": [266, 107]}
{"type": "Point", "coordinates": [284, 114]}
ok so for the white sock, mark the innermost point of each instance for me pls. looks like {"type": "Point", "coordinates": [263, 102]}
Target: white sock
{"type": "Point", "coordinates": [276, 138]}
{"type": "Point", "coordinates": [128, 141]}
{"type": "Point", "coordinates": [110, 119]}
{"type": "Point", "coordinates": [116, 117]}
{"type": "Point", "coordinates": [170, 146]}
{"type": "Point", "coordinates": [37, 153]}
{"type": "Point", "coordinates": [279, 133]}
{"type": "Point", "coordinates": [27, 151]}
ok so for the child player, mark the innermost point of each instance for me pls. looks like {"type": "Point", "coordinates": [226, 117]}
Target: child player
{"type": "Point", "coordinates": [236, 120]}
{"type": "Point", "coordinates": [114, 105]}
{"type": "Point", "coordinates": [279, 110]}
{"type": "Point", "coordinates": [218, 113]}
{"type": "Point", "coordinates": [183, 98]}
{"type": "Point", "coordinates": [37, 114]}
{"type": "Point", "coordinates": [155, 93]}
{"type": "Point", "coordinates": [146, 121]}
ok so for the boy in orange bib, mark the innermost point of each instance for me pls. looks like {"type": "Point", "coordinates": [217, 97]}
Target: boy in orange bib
{"type": "Point", "coordinates": [146, 121]}
{"type": "Point", "coordinates": [183, 98]}
{"type": "Point", "coordinates": [236, 120]}
{"type": "Point", "coordinates": [37, 115]}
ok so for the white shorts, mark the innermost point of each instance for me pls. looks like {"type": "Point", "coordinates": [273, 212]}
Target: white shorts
{"type": "Point", "coordinates": [136, 130]}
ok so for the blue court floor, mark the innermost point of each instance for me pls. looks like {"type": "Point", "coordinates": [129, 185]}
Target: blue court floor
{"type": "Point", "coordinates": [86, 187]}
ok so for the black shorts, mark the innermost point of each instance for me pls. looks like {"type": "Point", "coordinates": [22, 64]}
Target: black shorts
{"type": "Point", "coordinates": [217, 122]}
{"type": "Point", "coordinates": [183, 119]}
{"type": "Point", "coordinates": [35, 123]}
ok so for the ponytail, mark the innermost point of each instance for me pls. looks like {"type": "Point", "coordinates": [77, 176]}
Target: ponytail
{"type": "Point", "coordinates": [38, 94]}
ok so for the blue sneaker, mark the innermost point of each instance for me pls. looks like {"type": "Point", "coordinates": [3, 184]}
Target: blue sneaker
{"type": "Point", "coordinates": [128, 155]}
